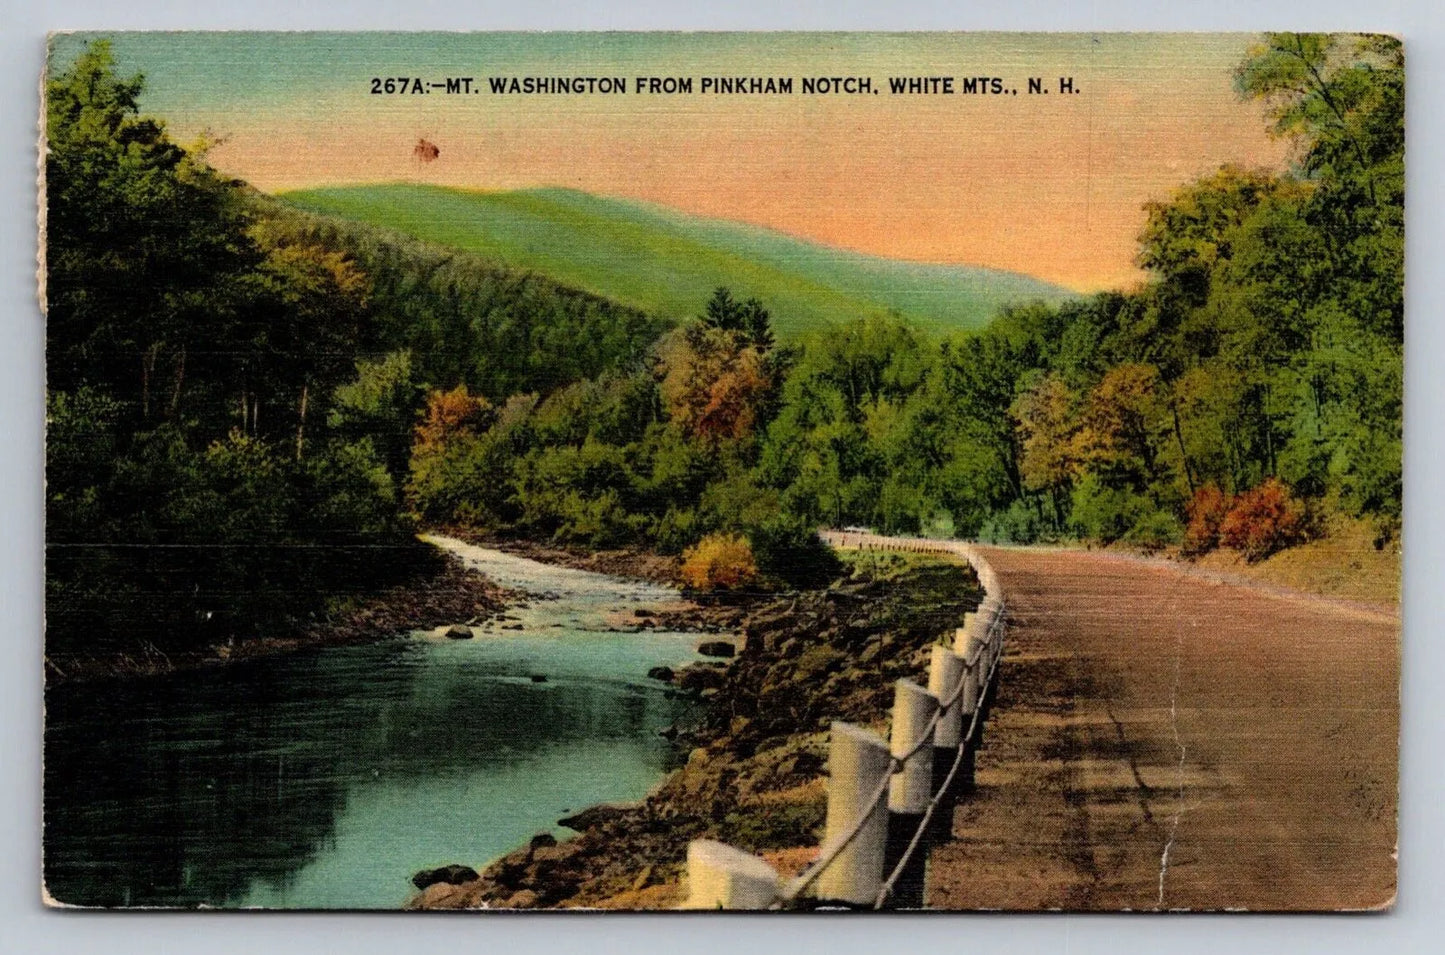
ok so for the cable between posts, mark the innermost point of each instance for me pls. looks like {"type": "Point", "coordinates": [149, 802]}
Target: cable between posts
{"type": "Point", "coordinates": [892, 881]}
{"type": "Point", "coordinates": [831, 853]}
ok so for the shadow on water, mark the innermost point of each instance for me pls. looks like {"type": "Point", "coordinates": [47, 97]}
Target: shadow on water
{"type": "Point", "coordinates": [326, 779]}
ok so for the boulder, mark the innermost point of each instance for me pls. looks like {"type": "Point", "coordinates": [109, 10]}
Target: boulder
{"type": "Point", "coordinates": [450, 874]}
{"type": "Point", "coordinates": [664, 674]}
{"type": "Point", "coordinates": [592, 818]}
{"type": "Point", "coordinates": [697, 678]}
{"type": "Point", "coordinates": [542, 840]}
{"type": "Point", "coordinates": [539, 678]}
{"type": "Point", "coordinates": [553, 854]}
{"type": "Point", "coordinates": [439, 895]}
{"type": "Point", "coordinates": [525, 899]}
{"type": "Point", "coordinates": [717, 648]}
{"type": "Point", "coordinates": [458, 632]}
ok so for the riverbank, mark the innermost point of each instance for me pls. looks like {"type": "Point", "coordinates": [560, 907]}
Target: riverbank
{"type": "Point", "coordinates": [453, 594]}
{"type": "Point", "coordinates": [617, 562]}
{"type": "Point", "coordinates": [754, 776]}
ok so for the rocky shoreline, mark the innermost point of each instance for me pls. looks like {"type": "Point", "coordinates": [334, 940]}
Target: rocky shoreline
{"type": "Point", "coordinates": [620, 562]}
{"type": "Point", "coordinates": [754, 774]}
{"type": "Point", "coordinates": [454, 594]}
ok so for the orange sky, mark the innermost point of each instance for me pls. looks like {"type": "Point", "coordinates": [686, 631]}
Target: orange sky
{"type": "Point", "coordinates": [1048, 185]}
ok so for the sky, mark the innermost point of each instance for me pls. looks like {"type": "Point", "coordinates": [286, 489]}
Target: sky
{"type": "Point", "coordinates": [1051, 185]}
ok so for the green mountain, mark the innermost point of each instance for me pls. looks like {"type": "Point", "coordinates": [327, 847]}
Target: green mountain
{"type": "Point", "coordinates": [667, 262]}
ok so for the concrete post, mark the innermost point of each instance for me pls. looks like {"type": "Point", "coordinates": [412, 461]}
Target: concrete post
{"type": "Point", "coordinates": [858, 763]}
{"type": "Point", "coordinates": [913, 707]}
{"type": "Point", "coordinates": [945, 674]}
{"type": "Point", "coordinates": [910, 790]}
{"type": "Point", "coordinates": [945, 669]}
{"type": "Point", "coordinates": [976, 655]}
{"type": "Point", "coordinates": [721, 877]}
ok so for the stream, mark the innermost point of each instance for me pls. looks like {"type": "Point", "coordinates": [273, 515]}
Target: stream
{"type": "Point", "coordinates": [326, 778]}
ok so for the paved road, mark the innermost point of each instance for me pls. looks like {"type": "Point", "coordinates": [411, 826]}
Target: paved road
{"type": "Point", "coordinates": [1163, 740]}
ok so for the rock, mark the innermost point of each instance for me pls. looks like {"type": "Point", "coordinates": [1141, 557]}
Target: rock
{"type": "Point", "coordinates": [664, 674]}
{"type": "Point", "coordinates": [643, 879]}
{"type": "Point", "coordinates": [438, 895]}
{"type": "Point", "coordinates": [450, 874]}
{"type": "Point", "coordinates": [539, 678]}
{"type": "Point", "coordinates": [458, 632]}
{"type": "Point", "coordinates": [542, 840]}
{"type": "Point", "coordinates": [513, 626]}
{"type": "Point", "coordinates": [525, 899]}
{"type": "Point", "coordinates": [555, 853]}
{"type": "Point", "coordinates": [643, 612]}
{"type": "Point", "coordinates": [697, 678]}
{"type": "Point", "coordinates": [717, 648]}
{"type": "Point", "coordinates": [592, 818]}
{"type": "Point", "coordinates": [510, 869]}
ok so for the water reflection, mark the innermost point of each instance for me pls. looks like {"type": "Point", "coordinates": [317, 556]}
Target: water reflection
{"type": "Point", "coordinates": [326, 779]}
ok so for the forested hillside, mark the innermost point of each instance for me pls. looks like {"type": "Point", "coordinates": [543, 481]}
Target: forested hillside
{"type": "Point", "coordinates": [251, 408]}
{"type": "Point", "coordinates": [666, 262]}
{"type": "Point", "coordinates": [1248, 390]}
{"type": "Point", "coordinates": [233, 385]}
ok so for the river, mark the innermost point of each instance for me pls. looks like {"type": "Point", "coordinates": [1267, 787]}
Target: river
{"type": "Point", "coordinates": [325, 779]}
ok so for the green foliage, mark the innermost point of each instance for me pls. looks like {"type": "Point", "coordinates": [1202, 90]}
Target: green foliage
{"type": "Point", "coordinates": [1102, 513]}
{"type": "Point", "coordinates": [776, 824]}
{"type": "Point", "coordinates": [244, 395]}
{"type": "Point", "coordinates": [1154, 531]}
{"type": "Point", "coordinates": [198, 486]}
{"type": "Point", "coordinates": [791, 551]}
{"type": "Point", "coordinates": [1021, 522]}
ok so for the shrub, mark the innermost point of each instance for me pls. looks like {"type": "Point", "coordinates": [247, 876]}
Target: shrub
{"type": "Point", "coordinates": [1264, 519]}
{"type": "Point", "coordinates": [1206, 511]}
{"type": "Point", "coordinates": [1019, 524]}
{"type": "Point", "coordinates": [1156, 530]}
{"type": "Point", "coordinates": [1102, 513]}
{"type": "Point", "coordinates": [792, 551]}
{"type": "Point", "coordinates": [719, 562]}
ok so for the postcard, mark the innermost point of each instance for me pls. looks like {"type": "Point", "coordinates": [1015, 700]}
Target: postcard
{"type": "Point", "coordinates": [722, 471]}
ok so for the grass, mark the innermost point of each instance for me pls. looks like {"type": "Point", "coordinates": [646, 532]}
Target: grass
{"type": "Point", "coordinates": [1344, 563]}
{"type": "Point", "coordinates": [668, 263]}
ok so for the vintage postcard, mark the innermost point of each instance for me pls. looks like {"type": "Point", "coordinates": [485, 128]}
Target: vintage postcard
{"type": "Point", "coordinates": [767, 471]}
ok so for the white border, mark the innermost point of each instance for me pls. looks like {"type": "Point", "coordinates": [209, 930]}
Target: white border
{"type": "Point", "coordinates": [1416, 923]}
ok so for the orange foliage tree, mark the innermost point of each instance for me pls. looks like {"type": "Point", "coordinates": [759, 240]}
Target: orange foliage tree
{"type": "Point", "coordinates": [1264, 519]}
{"type": "Point", "coordinates": [1206, 512]}
{"type": "Point", "coordinates": [713, 381]}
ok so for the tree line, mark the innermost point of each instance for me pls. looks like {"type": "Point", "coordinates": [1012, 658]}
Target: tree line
{"type": "Point", "coordinates": [233, 385]}
{"type": "Point", "coordinates": [1247, 390]}
{"type": "Point", "coordinates": [251, 409]}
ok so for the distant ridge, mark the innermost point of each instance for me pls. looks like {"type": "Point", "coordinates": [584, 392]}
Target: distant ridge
{"type": "Point", "coordinates": [668, 262]}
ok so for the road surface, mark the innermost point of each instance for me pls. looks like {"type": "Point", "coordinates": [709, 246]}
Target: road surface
{"type": "Point", "coordinates": [1162, 740]}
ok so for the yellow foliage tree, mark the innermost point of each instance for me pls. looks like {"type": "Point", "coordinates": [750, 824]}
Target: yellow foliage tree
{"type": "Point", "coordinates": [719, 562]}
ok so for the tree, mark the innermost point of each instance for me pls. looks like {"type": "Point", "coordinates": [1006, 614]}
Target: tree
{"type": "Point", "coordinates": [1048, 438]}
{"type": "Point", "coordinates": [146, 250]}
